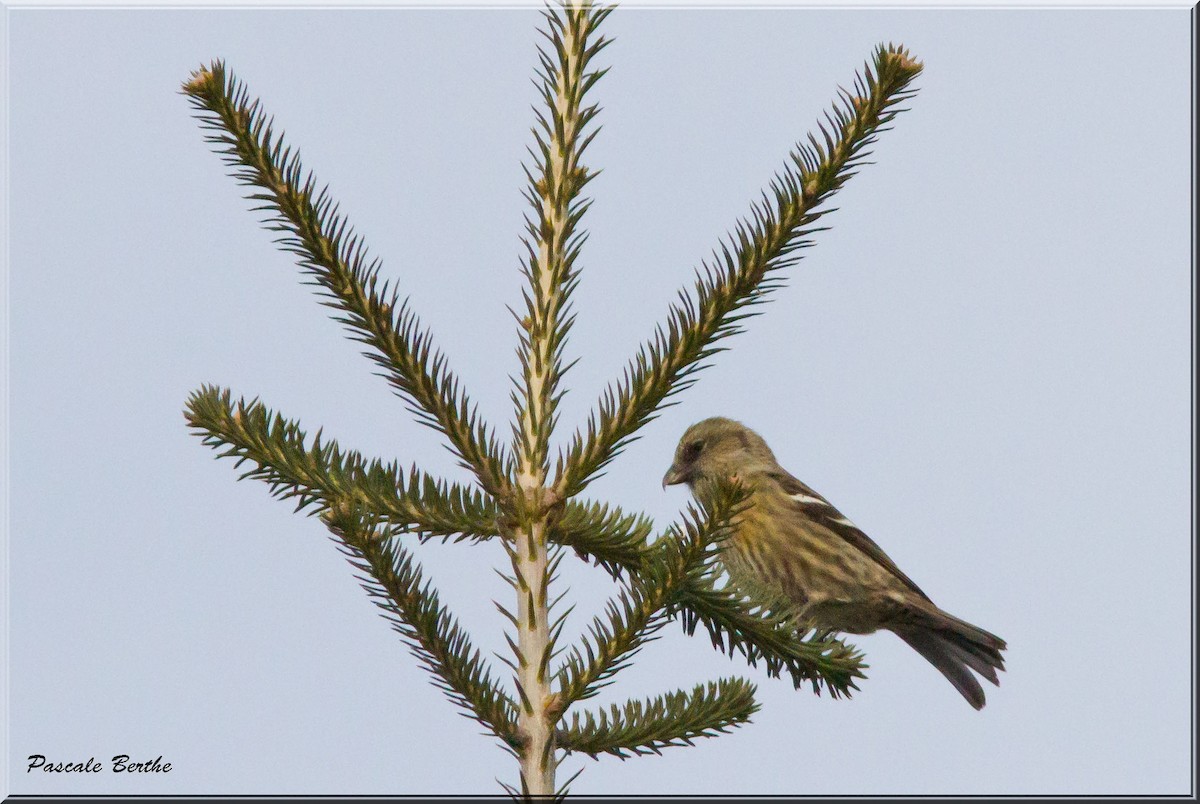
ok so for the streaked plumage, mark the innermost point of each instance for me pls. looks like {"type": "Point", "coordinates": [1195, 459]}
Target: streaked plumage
{"type": "Point", "coordinates": [791, 545]}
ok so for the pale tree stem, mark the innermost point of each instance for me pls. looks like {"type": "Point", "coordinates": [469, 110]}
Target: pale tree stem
{"type": "Point", "coordinates": [548, 272]}
{"type": "Point", "coordinates": [533, 627]}
{"type": "Point", "coordinates": [533, 637]}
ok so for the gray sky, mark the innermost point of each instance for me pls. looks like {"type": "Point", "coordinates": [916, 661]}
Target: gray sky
{"type": "Point", "coordinates": [984, 363]}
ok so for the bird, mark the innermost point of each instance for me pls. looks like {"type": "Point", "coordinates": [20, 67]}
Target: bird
{"type": "Point", "coordinates": [790, 546]}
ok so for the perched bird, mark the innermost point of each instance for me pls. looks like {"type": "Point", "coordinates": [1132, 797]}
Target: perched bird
{"type": "Point", "coordinates": [792, 546]}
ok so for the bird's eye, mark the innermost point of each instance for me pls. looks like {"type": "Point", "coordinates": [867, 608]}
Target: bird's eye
{"type": "Point", "coordinates": [692, 450]}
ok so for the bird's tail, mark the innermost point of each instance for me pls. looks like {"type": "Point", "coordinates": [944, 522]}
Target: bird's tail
{"type": "Point", "coordinates": [955, 647]}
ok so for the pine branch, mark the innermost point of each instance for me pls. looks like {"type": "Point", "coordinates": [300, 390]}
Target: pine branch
{"type": "Point", "coordinates": [395, 584]}
{"type": "Point", "coordinates": [552, 239]}
{"type": "Point", "coordinates": [684, 555]}
{"type": "Point", "coordinates": [335, 259]}
{"type": "Point", "coordinates": [737, 625]}
{"type": "Point", "coordinates": [553, 246]}
{"type": "Point", "coordinates": [734, 623]}
{"type": "Point", "coordinates": [677, 718]}
{"type": "Point", "coordinates": [323, 473]}
{"type": "Point", "coordinates": [745, 270]}
{"type": "Point", "coordinates": [632, 621]}
{"type": "Point", "coordinates": [606, 535]}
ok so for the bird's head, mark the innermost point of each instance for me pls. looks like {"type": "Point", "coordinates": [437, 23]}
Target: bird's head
{"type": "Point", "coordinates": [718, 449]}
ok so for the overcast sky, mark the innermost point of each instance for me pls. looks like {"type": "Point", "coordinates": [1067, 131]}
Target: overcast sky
{"type": "Point", "coordinates": [984, 363]}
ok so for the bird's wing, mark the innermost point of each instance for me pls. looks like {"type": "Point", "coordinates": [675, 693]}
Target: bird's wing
{"type": "Point", "coordinates": [820, 510]}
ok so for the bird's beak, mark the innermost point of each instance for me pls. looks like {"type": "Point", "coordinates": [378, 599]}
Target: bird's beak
{"type": "Point", "coordinates": [674, 475]}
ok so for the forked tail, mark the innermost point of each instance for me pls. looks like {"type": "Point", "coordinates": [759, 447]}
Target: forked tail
{"type": "Point", "coordinates": [955, 647]}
